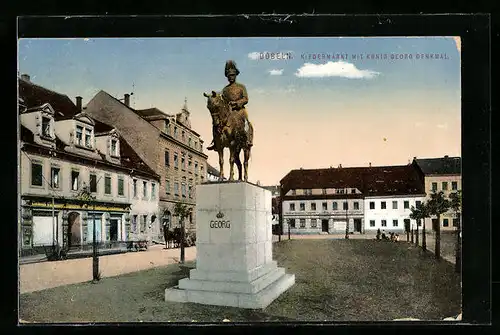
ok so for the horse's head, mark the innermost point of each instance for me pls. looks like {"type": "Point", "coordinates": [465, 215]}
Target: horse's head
{"type": "Point", "coordinates": [217, 106]}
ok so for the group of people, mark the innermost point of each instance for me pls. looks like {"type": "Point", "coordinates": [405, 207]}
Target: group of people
{"type": "Point", "coordinates": [390, 236]}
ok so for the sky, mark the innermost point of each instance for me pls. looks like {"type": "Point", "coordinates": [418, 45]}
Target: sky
{"type": "Point", "coordinates": [307, 111]}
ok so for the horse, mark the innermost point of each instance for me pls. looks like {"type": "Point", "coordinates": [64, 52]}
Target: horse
{"type": "Point", "coordinates": [232, 131]}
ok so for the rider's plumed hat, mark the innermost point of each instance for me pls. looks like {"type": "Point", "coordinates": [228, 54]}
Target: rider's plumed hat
{"type": "Point", "coordinates": [231, 68]}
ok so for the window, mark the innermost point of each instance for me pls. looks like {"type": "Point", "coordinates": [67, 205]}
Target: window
{"type": "Point", "coordinates": [418, 203]}
{"type": "Point", "coordinates": [434, 186]}
{"type": "Point", "coordinates": [394, 223]}
{"type": "Point", "coordinates": [134, 188]}
{"type": "Point", "coordinates": [314, 223]}
{"type": "Point", "coordinates": [176, 189]}
{"type": "Point", "coordinates": [334, 206]}
{"type": "Point", "coordinates": [45, 126]}
{"type": "Point", "coordinates": [107, 185]}
{"type": "Point", "coordinates": [183, 136]}
{"type": "Point", "coordinates": [167, 186]}
{"type": "Point", "coordinates": [356, 205]}
{"type": "Point", "coordinates": [372, 223]}
{"type": "Point", "coordinates": [190, 192]}
{"type": "Point", "coordinates": [302, 223]}
{"type": "Point", "coordinates": [88, 134]}
{"type": "Point", "coordinates": [323, 191]}
{"type": "Point", "coordinates": [419, 223]}
{"type": "Point", "coordinates": [167, 158]}
{"type": "Point", "coordinates": [292, 207]}
{"type": "Point", "coordinates": [353, 190]}
{"type": "Point", "coordinates": [153, 191]}
{"type": "Point", "coordinates": [384, 223]}
{"type": "Point", "coordinates": [195, 167]}
{"type": "Point", "coordinates": [382, 205]}
{"type": "Point", "coordinates": [36, 174]}
{"type": "Point", "coordinates": [144, 189]}
{"type": "Point", "coordinates": [183, 162]}
{"type": "Point", "coordinates": [372, 205]}
{"type": "Point", "coordinates": [175, 132]}
{"type": "Point", "coordinates": [201, 171]}
{"type": "Point", "coordinates": [394, 205]}
{"type": "Point", "coordinates": [189, 141]}
{"type": "Point", "coordinates": [79, 135]}
{"type": "Point", "coordinates": [55, 175]}
{"type": "Point", "coordinates": [134, 223]}
{"type": "Point", "coordinates": [292, 223]}
{"type": "Point", "coordinates": [308, 192]}
{"type": "Point", "coordinates": [75, 180]}
{"type": "Point", "coordinates": [455, 222]}
{"type": "Point", "coordinates": [190, 163]}
{"type": "Point", "coordinates": [183, 189]}
{"type": "Point", "coordinates": [313, 206]}
{"type": "Point", "coordinates": [406, 204]}
{"type": "Point", "coordinates": [445, 223]}
{"type": "Point", "coordinates": [454, 185]}
{"type": "Point", "coordinates": [167, 127]}
{"type": "Point", "coordinates": [176, 161]}
{"type": "Point", "coordinates": [144, 219]}
{"type": "Point", "coordinates": [121, 187]}
{"type": "Point", "coordinates": [324, 206]}
{"type": "Point", "coordinates": [302, 206]}
{"type": "Point", "coordinates": [294, 192]}
{"type": "Point", "coordinates": [345, 205]}
{"type": "Point", "coordinates": [114, 148]}
{"type": "Point", "coordinates": [93, 183]}
{"type": "Point", "coordinates": [444, 185]}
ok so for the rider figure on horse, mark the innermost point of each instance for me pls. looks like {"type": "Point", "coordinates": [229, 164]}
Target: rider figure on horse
{"type": "Point", "coordinates": [237, 96]}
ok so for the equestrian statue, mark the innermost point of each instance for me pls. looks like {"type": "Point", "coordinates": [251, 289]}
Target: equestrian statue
{"type": "Point", "coordinates": [230, 125]}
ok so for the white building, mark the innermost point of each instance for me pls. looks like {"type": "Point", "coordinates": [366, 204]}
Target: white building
{"type": "Point", "coordinates": [360, 199]}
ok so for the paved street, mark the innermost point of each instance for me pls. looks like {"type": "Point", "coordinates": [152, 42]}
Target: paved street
{"type": "Point", "coordinates": [44, 275]}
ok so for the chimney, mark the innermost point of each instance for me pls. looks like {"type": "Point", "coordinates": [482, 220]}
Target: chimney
{"type": "Point", "coordinates": [25, 77]}
{"type": "Point", "coordinates": [370, 164]}
{"type": "Point", "coordinates": [445, 156]}
{"type": "Point", "coordinates": [79, 103]}
{"type": "Point", "coordinates": [340, 166]}
{"type": "Point", "coordinates": [126, 99]}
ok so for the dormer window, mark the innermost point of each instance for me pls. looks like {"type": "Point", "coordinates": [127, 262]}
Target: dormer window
{"type": "Point", "coordinates": [189, 142]}
{"type": "Point", "coordinates": [46, 126]}
{"type": "Point", "coordinates": [88, 138]}
{"type": "Point", "coordinates": [114, 148]}
{"type": "Point", "coordinates": [79, 135]}
{"type": "Point", "coordinates": [175, 132]}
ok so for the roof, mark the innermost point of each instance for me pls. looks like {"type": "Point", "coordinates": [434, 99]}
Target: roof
{"type": "Point", "coordinates": [213, 171]}
{"type": "Point", "coordinates": [371, 181]}
{"type": "Point", "coordinates": [35, 96]}
{"type": "Point", "coordinates": [442, 165]}
{"type": "Point", "coordinates": [151, 112]}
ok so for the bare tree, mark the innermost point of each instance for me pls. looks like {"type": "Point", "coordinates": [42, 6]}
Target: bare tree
{"type": "Point", "coordinates": [182, 211]}
{"type": "Point", "coordinates": [438, 205]}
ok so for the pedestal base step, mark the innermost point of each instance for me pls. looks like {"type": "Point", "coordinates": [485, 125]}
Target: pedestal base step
{"type": "Point", "coordinates": [258, 300]}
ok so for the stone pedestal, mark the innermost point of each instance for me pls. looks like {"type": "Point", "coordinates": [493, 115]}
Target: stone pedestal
{"type": "Point", "coordinates": [234, 265]}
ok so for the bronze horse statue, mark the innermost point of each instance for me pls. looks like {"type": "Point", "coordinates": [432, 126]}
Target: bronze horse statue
{"type": "Point", "coordinates": [231, 131]}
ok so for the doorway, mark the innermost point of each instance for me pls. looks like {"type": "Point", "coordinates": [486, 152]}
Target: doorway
{"type": "Point", "coordinates": [324, 226]}
{"type": "Point", "coordinates": [113, 229]}
{"type": "Point", "coordinates": [357, 225]}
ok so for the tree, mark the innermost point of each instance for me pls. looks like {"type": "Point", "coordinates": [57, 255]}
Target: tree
{"type": "Point", "coordinates": [87, 198]}
{"type": "Point", "coordinates": [182, 211]}
{"type": "Point", "coordinates": [425, 214]}
{"type": "Point", "coordinates": [417, 214]}
{"type": "Point", "coordinates": [438, 205]}
{"type": "Point", "coordinates": [456, 207]}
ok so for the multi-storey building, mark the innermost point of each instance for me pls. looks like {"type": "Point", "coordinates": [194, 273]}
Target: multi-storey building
{"type": "Point", "coordinates": [166, 143]}
{"type": "Point", "coordinates": [441, 174]}
{"type": "Point", "coordinates": [213, 175]}
{"type": "Point", "coordinates": [63, 151]}
{"type": "Point", "coordinates": [355, 199]}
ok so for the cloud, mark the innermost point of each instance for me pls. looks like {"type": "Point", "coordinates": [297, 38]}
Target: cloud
{"type": "Point", "coordinates": [254, 55]}
{"type": "Point", "coordinates": [334, 69]}
{"type": "Point", "coordinates": [276, 72]}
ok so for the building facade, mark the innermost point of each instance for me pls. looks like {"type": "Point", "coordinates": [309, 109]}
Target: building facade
{"type": "Point", "coordinates": [356, 200]}
{"type": "Point", "coordinates": [64, 151]}
{"type": "Point", "coordinates": [441, 174]}
{"type": "Point", "coordinates": [166, 143]}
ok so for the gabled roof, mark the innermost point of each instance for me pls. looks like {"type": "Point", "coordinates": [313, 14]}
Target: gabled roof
{"type": "Point", "coordinates": [35, 96]}
{"type": "Point", "coordinates": [371, 181]}
{"type": "Point", "coordinates": [442, 165]}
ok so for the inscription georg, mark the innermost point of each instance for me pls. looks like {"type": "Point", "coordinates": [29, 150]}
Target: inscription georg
{"type": "Point", "coordinates": [220, 224]}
